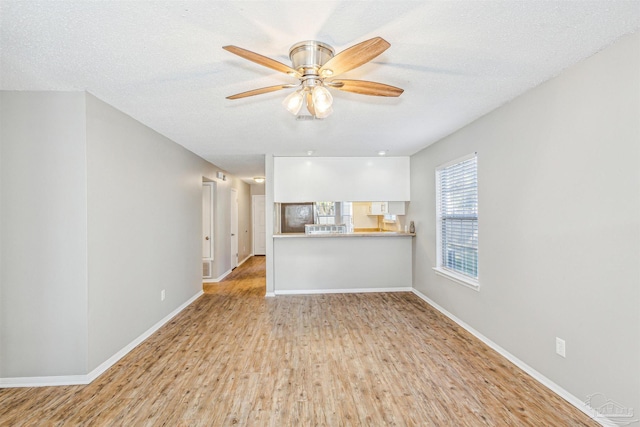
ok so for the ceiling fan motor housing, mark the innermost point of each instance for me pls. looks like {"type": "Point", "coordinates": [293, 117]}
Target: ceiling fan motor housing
{"type": "Point", "coordinates": [307, 57]}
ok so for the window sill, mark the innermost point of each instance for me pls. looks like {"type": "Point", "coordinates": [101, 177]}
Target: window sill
{"type": "Point", "coordinates": [458, 278]}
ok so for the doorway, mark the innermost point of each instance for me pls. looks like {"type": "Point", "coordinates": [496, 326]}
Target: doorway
{"type": "Point", "coordinates": [234, 228]}
{"type": "Point", "coordinates": [207, 229]}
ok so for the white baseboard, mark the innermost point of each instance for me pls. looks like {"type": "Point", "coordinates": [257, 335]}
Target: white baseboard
{"type": "Point", "coordinates": [573, 400]}
{"type": "Point", "coordinates": [270, 294]}
{"type": "Point", "coordinates": [339, 291]}
{"type": "Point", "coordinates": [226, 273]}
{"type": "Point", "coordinates": [44, 381]}
{"type": "Point", "coordinates": [86, 379]}
{"type": "Point", "coordinates": [244, 260]}
{"type": "Point", "coordinates": [219, 278]}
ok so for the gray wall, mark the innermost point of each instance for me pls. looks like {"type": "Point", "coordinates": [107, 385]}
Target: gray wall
{"type": "Point", "coordinates": [145, 227]}
{"type": "Point", "coordinates": [144, 210]}
{"type": "Point", "coordinates": [99, 214]}
{"type": "Point", "coordinates": [559, 230]}
{"type": "Point", "coordinates": [44, 230]}
{"type": "Point", "coordinates": [222, 223]}
{"type": "Point", "coordinates": [363, 263]}
{"type": "Point", "coordinates": [257, 189]}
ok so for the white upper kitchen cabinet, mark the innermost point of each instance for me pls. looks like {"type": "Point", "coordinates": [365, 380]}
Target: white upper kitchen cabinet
{"type": "Point", "coordinates": [355, 179]}
{"type": "Point", "coordinates": [378, 208]}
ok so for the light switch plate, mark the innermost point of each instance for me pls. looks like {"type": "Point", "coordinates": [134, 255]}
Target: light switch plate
{"type": "Point", "coordinates": [560, 347]}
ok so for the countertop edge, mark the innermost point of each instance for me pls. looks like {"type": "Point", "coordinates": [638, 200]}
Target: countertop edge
{"type": "Point", "coordinates": [343, 235]}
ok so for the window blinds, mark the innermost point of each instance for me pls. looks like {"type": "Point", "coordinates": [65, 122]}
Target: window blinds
{"type": "Point", "coordinates": [457, 209]}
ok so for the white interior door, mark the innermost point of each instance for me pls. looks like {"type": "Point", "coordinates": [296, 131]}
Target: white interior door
{"type": "Point", "coordinates": [207, 229]}
{"type": "Point", "coordinates": [259, 226]}
{"type": "Point", "coordinates": [234, 228]}
{"type": "Point", "coordinates": [207, 221]}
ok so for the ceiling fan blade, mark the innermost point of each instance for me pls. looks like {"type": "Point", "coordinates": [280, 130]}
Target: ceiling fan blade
{"type": "Point", "coordinates": [262, 60]}
{"type": "Point", "coordinates": [259, 91]}
{"type": "Point", "coordinates": [354, 56]}
{"type": "Point", "coordinates": [364, 87]}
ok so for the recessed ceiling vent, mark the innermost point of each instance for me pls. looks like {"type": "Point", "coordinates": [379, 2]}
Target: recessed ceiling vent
{"type": "Point", "coordinates": [306, 117]}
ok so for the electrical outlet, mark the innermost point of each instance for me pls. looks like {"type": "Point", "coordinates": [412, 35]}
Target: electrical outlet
{"type": "Point", "coordinates": [560, 347]}
{"type": "Point", "coordinates": [162, 295]}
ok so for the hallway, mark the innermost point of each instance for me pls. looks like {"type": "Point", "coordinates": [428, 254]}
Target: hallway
{"type": "Point", "coordinates": [246, 280]}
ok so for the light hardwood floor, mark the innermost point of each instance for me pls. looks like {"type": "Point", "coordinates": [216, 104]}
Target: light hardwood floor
{"type": "Point", "coordinates": [234, 357]}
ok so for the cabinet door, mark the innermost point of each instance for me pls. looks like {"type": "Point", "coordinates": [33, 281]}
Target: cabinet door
{"type": "Point", "coordinates": [378, 208]}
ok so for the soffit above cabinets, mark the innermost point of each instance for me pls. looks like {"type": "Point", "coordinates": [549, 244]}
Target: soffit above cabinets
{"type": "Point", "coordinates": [356, 179]}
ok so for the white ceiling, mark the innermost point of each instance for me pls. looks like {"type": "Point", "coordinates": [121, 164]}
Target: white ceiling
{"type": "Point", "coordinates": [163, 64]}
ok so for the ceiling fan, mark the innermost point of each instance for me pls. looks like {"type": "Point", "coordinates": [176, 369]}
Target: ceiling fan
{"type": "Point", "coordinates": [315, 65]}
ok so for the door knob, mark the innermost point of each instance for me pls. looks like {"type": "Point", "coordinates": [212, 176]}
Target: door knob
{"type": "Point", "coordinates": [206, 238]}
{"type": "Point", "coordinates": [232, 234]}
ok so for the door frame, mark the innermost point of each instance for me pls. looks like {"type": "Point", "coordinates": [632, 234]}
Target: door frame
{"type": "Point", "coordinates": [233, 232]}
{"type": "Point", "coordinates": [210, 187]}
{"type": "Point", "coordinates": [253, 222]}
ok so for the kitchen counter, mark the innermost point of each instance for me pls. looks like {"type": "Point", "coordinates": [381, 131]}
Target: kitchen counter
{"type": "Point", "coordinates": [350, 262]}
{"type": "Point", "coordinates": [355, 234]}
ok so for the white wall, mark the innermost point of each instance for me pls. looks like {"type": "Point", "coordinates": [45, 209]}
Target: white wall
{"type": "Point", "coordinates": [356, 179]}
{"type": "Point", "coordinates": [559, 229]}
{"type": "Point", "coordinates": [269, 220]}
{"type": "Point", "coordinates": [43, 308]}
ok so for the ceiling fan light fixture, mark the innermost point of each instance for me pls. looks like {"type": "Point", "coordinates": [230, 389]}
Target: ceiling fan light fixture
{"type": "Point", "coordinates": [313, 62]}
{"type": "Point", "coordinates": [324, 114]}
{"type": "Point", "coordinates": [322, 101]}
{"type": "Point", "coordinates": [293, 102]}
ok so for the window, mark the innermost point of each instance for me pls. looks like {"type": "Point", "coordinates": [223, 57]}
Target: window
{"type": "Point", "coordinates": [457, 220]}
{"type": "Point", "coordinates": [389, 218]}
{"type": "Point", "coordinates": [326, 212]}
{"type": "Point", "coordinates": [334, 213]}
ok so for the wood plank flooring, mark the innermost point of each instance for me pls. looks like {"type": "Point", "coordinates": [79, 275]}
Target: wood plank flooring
{"type": "Point", "coordinates": [234, 357]}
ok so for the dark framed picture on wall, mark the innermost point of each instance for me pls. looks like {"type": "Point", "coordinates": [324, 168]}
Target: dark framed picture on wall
{"type": "Point", "coordinates": [295, 215]}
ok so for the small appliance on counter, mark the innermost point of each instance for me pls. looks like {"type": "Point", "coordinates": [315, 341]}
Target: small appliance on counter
{"type": "Point", "coordinates": [325, 229]}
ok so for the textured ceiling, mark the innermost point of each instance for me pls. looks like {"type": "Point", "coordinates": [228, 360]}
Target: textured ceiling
{"type": "Point", "coordinates": [163, 64]}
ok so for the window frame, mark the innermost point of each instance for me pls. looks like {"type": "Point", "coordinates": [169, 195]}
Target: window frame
{"type": "Point", "coordinates": [319, 207]}
{"type": "Point", "coordinates": [440, 269]}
